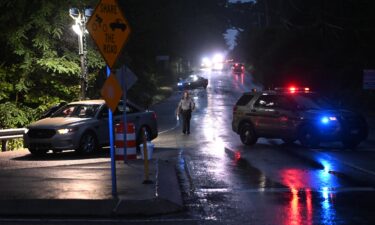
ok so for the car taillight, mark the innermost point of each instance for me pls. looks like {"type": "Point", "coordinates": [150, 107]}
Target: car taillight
{"type": "Point", "coordinates": [154, 115]}
{"type": "Point", "coordinates": [242, 67]}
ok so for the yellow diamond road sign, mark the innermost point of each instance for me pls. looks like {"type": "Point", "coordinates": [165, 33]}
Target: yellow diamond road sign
{"type": "Point", "coordinates": [109, 29]}
{"type": "Point", "coordinates": [111, 92]}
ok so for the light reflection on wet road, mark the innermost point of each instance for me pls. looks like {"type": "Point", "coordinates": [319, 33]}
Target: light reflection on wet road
{"type": "Point", "coordinates": [262, 184]}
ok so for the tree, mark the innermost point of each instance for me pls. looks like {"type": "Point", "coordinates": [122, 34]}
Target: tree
{"type": "Point", "coordinates": [40, 64]}
{"type": "Point", "coordinates": [321, 43]}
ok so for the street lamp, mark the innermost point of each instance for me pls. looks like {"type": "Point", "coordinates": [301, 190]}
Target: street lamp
{"type": "Point", "coordinates": [80, 18]}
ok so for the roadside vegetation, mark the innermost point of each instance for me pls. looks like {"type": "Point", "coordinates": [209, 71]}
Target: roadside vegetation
{"type": "Point", "coordinates": [40, 65]}
{"type": "Point", "coordinates": [325, 45]}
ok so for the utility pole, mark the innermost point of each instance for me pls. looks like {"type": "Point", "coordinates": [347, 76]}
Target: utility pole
{"type": "Point", "coordinates": [79, 28]}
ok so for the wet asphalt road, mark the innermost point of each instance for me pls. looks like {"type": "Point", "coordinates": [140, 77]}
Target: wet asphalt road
{"type": "Point", "coordinates": [224, 182]}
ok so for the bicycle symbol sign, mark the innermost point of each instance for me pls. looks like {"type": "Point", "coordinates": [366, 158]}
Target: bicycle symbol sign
{"type": "Point", "coordinates": [109, 29]}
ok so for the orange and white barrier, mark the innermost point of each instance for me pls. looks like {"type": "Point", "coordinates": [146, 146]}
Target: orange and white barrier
{"type": "Point", "coordinates": [131, 151]}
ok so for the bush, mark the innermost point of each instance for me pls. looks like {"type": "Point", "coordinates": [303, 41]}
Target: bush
{"type": "Point", "coordinates": [12, 116]}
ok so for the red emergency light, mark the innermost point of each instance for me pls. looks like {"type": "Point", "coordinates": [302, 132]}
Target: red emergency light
{"type": "Point", "coordinates": [293, 89]}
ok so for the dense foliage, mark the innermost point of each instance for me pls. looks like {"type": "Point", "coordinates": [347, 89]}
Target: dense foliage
{"type": "Point", "coordinates": [39, 61]}
{"type": "Point", "coordinates": [325, 44]}
{"type": "Point", "coordinates": [40, 65]}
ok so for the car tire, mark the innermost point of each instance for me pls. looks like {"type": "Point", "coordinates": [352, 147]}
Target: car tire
{"type": "Point", "coordinates": [353, 142]}
{"type": "Point", "coordinates": [37, 152]}
{"type": "Point", "coordinates": [308, 137]}
{"type": "Point", "coordinates": [247, 134]}
{"type": "Point", "coordinates": [140, 135]}
{"type": "Point", "coordinates": [87, 144]}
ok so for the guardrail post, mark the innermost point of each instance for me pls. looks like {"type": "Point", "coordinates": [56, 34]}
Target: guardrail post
{"type": "Point", "coordinates": [9, 134]}
{"type": "Point", "coordinates": [3, 145]}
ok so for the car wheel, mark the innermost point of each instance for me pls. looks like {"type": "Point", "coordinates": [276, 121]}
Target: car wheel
{"type": "Point", "coordinates": [140, 136]}
{"type": "Point", "coordinates": [247, 135]}
{"type": "Point", "coordinates": [351, 144]}
{"type": "Point", "coordinates": [308, 137]}
{"type": "Point", "coordinates": [87, 144]}
{"type": "Point", "coordinates": [38, 152]}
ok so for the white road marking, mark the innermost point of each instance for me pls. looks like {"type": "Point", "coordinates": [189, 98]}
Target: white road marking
{"type": "Point", "coordinates": [170, 129]}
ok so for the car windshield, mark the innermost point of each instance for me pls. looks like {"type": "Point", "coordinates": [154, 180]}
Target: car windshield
{"type": "Point", "coordinates": [192, 78]}
{"type": "Point", "coordinates": [77, 110]}
{"type": "Point", "coordinates": [312, 101]}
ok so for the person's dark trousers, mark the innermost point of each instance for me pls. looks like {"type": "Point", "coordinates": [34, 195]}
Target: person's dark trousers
{"type": "Point", "coordinates": [186, 116]}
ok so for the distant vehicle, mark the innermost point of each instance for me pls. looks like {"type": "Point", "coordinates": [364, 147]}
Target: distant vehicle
{"type": "Point", "coordinates": [238, 68]}
{"type": "Point", "coordinates": [296, 114]}
{"type": "Point", "coordinates": [192, 82]}
{"type": "Point", "coordinates": [118, 25]}
{"type": "Point", "coordinates": [83, 126]}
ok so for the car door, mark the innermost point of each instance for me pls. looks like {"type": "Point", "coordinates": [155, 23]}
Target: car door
{"type": "Point", "coordinates": [133, 115]}
{"type": "Point", "coordinates": [265, 115]}
{"type": "Point", "coordinates": [103, 127]}
{"type": "Point", "coordinates": [287, 117]}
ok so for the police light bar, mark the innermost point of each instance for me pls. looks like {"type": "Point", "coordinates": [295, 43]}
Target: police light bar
{"type": "Point", "coordinates": [293, 89]}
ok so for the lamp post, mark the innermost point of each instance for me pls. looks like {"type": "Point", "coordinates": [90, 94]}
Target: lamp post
{"type": "Point", "coordinates": [80, 18]}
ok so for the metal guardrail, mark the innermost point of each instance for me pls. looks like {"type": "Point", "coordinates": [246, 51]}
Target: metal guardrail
{"type": "Point", "coordinates": [8, 134]}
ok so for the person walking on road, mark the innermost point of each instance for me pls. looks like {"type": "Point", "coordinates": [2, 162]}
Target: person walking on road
{"type": "Point", "coordinates": [184, 109]}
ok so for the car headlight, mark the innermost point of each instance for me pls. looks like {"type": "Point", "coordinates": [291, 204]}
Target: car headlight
{"type": "Point", "coordinates": [179, 84]}
{"type": "Point", "coordinates": [66, 130]}
{"type": "Point", "coordinates": [328, 119]}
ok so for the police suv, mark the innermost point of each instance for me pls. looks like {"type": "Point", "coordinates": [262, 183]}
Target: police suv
{"type": "Point", "coordinates": [295, 114]}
